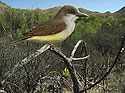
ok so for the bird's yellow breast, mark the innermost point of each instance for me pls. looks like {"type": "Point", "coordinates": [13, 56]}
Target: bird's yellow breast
{"type": "Point", "coordinates": [50, 38]}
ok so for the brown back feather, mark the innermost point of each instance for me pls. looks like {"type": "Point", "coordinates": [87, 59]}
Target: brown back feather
{"type": "Point", "coordinates": [46, 29]}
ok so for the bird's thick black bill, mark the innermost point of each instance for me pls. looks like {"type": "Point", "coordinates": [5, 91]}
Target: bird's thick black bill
{"type": "Point", "coordinates": [81, 15]}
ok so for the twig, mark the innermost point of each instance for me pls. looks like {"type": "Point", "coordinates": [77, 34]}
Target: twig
{"type": "Point", "coordinates": [75, 48]}
{"type": "Point", "coordinates": [82, 58]}
{"type": "Point", "coordinates": [7, 32]}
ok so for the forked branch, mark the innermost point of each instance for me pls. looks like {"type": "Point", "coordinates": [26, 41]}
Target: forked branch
{"type": "Point", "coordinates": [56, 50]}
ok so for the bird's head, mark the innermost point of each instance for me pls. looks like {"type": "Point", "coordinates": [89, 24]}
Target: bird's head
{"type": "Point", "coordinates": [70, 12]}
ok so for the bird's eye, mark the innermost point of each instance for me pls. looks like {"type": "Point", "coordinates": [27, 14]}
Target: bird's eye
{"type": "Point", "coordinates": [72, 11]}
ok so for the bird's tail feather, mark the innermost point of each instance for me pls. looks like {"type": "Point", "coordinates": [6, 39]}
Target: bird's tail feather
{"type": "Point", "coordinates": [19, 40]}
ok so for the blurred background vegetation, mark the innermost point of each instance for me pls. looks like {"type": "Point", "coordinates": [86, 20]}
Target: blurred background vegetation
{"type": "Point", "coordinates": [103, 35]}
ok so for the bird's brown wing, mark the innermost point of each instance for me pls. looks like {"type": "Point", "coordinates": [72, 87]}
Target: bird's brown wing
{"type": "Point", "coordinates": [44, 29]}
{"type": "Point", "coordinates": [47, 29]}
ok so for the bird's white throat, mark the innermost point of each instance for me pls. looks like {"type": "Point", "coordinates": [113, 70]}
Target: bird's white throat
{"type": "Point", "coordinates": [69, 19]}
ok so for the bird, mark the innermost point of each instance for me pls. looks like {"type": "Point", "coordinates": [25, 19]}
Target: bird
{"type": "Point", "coordinates": [55, 30]}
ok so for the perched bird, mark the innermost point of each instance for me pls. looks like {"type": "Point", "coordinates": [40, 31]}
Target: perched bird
{"type": "Point", "coordinates": [55, 30]}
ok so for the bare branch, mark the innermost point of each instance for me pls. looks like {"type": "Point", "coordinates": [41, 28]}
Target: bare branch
{"type": "Point", "coordinates": [82, 58]}
{"type": "Point", "coordinates": [58, 51]}
{"type": "Point", "coordinates": [75, 48]}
